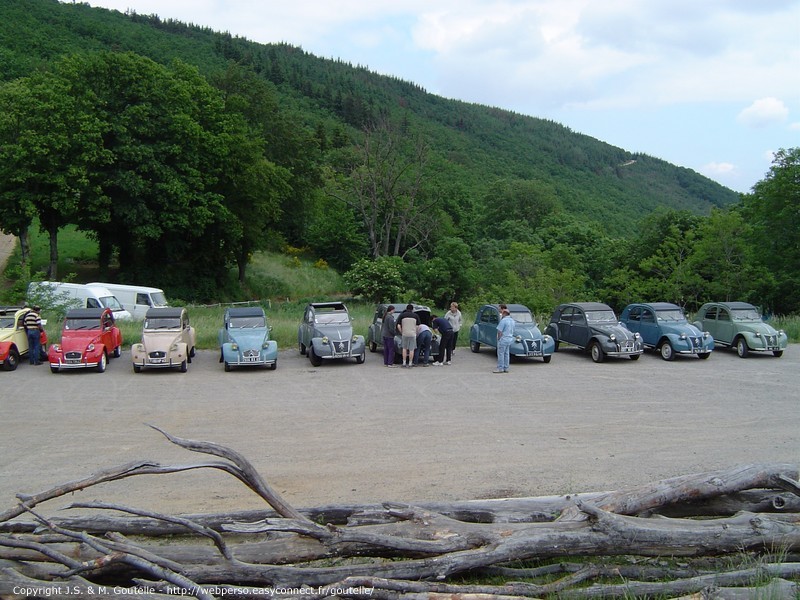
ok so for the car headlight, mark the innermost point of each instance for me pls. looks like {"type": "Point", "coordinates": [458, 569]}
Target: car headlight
{"type": "Point", "coordinates": [56, 347]}
{"type": "Point", "coordinates": [265, 345]}
{"type": "Point", "coordinates": [90, 348]}
{"type": "Point", "coordinates": [781, 332]}
{"type": "Point", "coordinates": [235, 347]}
{"type": "Point", "coordinates": [518, 338]}
{"type": "Point", "coordinates": [612, 337]}
{"type": "Point", "coordinates": [758, 334]}
{"type": "Point", "coordinates": [706, 334]}
{"type": "Point", "coordinates": [682, 336]}
{"type": "Point", "coordinates": [324, 339]}
{"type": "Point", "coordinates": [354, 339]}
{"type": "Point", "coordinates": [636, 336]}
{"type": "Point", "coordinates": [174, 348]}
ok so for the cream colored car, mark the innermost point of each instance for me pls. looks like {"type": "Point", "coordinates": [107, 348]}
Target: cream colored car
{"type": "Point", "coordinates": [168, 341]}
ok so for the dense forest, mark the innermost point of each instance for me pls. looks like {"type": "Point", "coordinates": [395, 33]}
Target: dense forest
{"type": "Point", "coordinates": [183, 151]}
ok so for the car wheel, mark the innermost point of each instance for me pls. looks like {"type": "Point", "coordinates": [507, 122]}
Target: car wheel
{"type": "Point", "coordinates": [227, 366]}
{"type": "Point", "coordinates": [184, 368]}
{"type": "Point", "coordinates": [53, 369]}
{"type": "Point", "coordinates": [302, 348]}
{"type": "Point", "coordinates": [315, 360]}
{"type": "Point", "coordinates": [474, 346]}
{"type": "Point", "coordinates": [777, 353]}
{"type": "Point", "coordinates": [555, 347]}
{"type": "Point", "coordinates": [741, 348]}
{"type": "Point", "coordinates": [191, 355]}
{"type": "Point", "coordinates": [117, 351]}
{"type": "Point", "coordinates": [704, 355]}
{"type": "Point", "coordinates": [635, 356]}
{"type": "Point", "coordinates": [597, 353]}
{"type": "Point", "coordinates": [360, 358]}
{"type": "Point", "coordinates": [274, 365]}
{"type": "Point", "coordinates": [101, 364]}
{"type": "Point", "coordinates": [11, 361]}
{"type": "Point", "coordinates": [547, 358]}
{"type": "Point", "coordinates": [137, 369]}
{"type": "Point", "coordinates": [373, 347]}
{"type": "Point", "coordinates": [667, 353]}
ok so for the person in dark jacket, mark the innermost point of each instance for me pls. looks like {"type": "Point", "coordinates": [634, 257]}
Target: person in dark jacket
{"type": "Point", "coordinates": [445, 330]}
{"type": "Point", "coordinates": [388, 328]}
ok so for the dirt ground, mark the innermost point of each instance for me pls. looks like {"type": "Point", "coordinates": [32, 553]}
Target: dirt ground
{"type": "Point", "coordinates": [348, 433]}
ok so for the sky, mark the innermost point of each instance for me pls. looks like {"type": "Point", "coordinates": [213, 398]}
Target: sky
{"type": "Point", "coordinates": [711, 85]}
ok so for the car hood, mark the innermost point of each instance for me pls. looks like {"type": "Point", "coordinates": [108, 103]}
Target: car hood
{"type": "Point", "coordinates": [160, 340]}
{"type": "Point", "coordinates": [679, 328]}
{"type": "Point", "coordinates": [621, 332]}
{"type": "Point", "coordinates": [78, 340]}
{"type": "Point", "coordinates": [529, 332]}
{"type": "Point", "coordinates": [756, 327]}
{"type": "Point", "coordinates": [248, 338]}
{"type": "Point", "coordinates": [334, 332]}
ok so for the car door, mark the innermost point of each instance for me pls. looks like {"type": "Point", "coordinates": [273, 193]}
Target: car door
{"type": "Point", "coordinates": [579, 328]}
{"type": "Point", "coordinates": [709, 321]}
{"type": "Point", "coordinates": [564, 325]}
{"type": "Point", "coordinates": [307, 327]}
{"type": "Point", "coordinates": [487, 330]}
{"type": "Point", "coordinates": [648, 327]}
{"type": "Point", "coordinates": [633, 322]}
{"type": "Point", "coordinates": [724, 326]}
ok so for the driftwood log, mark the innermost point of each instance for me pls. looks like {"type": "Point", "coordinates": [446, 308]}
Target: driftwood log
{"type": "Point", "coordinates": [659, 540]}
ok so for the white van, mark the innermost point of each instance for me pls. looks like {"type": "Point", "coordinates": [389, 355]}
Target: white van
{"type": "Point", "coordinates": [136, 299]}
{"type": "Point", "coordinates": [81, 296]}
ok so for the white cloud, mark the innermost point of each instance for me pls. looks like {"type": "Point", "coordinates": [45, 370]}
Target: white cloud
{"type": "Point", "coordinates": [763, 112]}
{"type": "Point", "coordinates": [716, 169]}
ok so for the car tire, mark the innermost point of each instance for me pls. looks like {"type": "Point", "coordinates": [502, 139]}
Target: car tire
{"type": "Point", "coordinates": [274, 365]}
{"type": "Point", "coordinates": [597, 353]}
{"type": "Point", "coordinates": [137, 369]}
{"type": "Point", "coordinates": [191, 355]}
{"type": "Point", "coordinates": [360, 358]}
{"type": "Point", "coordinates": [184, 366]}
{"type": "Point", "coordinates": [302, 349]}
{"type": "Point", "coordinates": [101, 364]}
{"type": "Point", "coordinates": [53, 369]}
{"type": "Point", "coordinates": [741, 348]}
{"type": "Point", "coordinates": [315, 360]}
{"type": "Point", "coordinates": [227, 367]}
{"type": "Point", "coordinates": [555, 346]}
{"type": "Point", "coordinates": [117, 352]}
{"type": "Point", "coordinates": [666, 351]}
{"type": "Point", "coordinates": [704, 355]}
{"type": "Point", "coordinates": [777, 353]}
{"type": "Point", "coordinates": [635, 356]}
{"type": "Point", "coordinates": [474, 346]}
{"type": "Point", "coordinates": [373, 347]}
{"type": "Point", "coordinates": [547, 358]}
{"type": "Point", "coordinates": [12, 360]}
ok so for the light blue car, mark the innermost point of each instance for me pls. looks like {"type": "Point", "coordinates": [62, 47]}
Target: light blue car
{"type": "Point", "coordinates": [244, 339]}
{"type": "Point", "coordinates": [664, 328]}
{"type": "Point", "coordinates": [529, 342]}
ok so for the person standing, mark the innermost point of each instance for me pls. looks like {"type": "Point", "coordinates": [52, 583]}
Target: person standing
{"type": "Point", "coordinates": [423, 352]}
{"type": "Point", "coordinates": [505, 335]}
{"type": "Point", "coordinates": [407, 325]}
{"type": "Point", "coordinates": [454, 317]}
{"type": "Point", "coordinates": [33, 330]}
{"type": "Point", "coordinates": [444, 328]}
{"type": "Point", "coordinates": [388, 328]}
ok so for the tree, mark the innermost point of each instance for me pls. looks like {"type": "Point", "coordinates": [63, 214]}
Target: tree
{"type": "Point", "coordinates": [376, 280]}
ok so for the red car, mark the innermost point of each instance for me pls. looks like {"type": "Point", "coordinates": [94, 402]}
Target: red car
{"type": "Point", "coordinates": [88, 337]}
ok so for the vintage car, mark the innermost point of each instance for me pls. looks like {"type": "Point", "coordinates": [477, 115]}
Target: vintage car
{"type": "Point", "coordinates": [326, 332]}
{"type": "Point", "coordinates": [664, 328]}
{"type": "Point", "coordinates": [528, 339]}
{"type": "Point", "coordinates": [244, 339]}
{"type": "Point", "coordinates": [594, 327]}
{"type": "Point", "coordinates": [374, 333]}
{"type": "Point", "coordinates": [13, 339]}
{"type": "Point", "coordinates": [88, 337]}
{"type": "Point", "coordinates": [167, 340]}
{"type": "Point", "coordinates": [739, 325]}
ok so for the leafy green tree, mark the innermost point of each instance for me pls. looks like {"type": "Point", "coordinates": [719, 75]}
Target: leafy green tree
{"type": "Point", "coordinates": [773, 210]}
{"type": "Point", "coordinates": [522, 202]}
{"type": "Point", "coordinates": [376, 280]}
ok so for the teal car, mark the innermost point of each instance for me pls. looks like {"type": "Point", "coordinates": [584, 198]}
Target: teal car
{"type": "Point", "coordinates": [244, 339]}
{"type": "Point", "coordinates": [739, 325]}
{"type": "Point", "coordinates": [664, 328]}
{"type": "Point", "coordinates": [529, 341]}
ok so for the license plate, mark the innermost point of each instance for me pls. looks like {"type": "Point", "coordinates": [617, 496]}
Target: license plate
{"type": "Point", "coordinates": [534, 353]}
{"type": "Point", "coordinates": [73, 361]}
{"type": "Point", "coordinates": [158, 361]}
{"type": "Point", "coordinates": [250, 359]}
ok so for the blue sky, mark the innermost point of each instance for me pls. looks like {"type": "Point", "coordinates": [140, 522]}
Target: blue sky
{"type": "Point", "coordinates": [711, 85]}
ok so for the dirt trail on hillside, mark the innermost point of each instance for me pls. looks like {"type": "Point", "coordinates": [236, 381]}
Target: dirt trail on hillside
{"type": "Point", "coordinates": [7, 245]}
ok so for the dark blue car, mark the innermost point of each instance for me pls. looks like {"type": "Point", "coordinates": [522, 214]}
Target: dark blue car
{"type": "Point", "coordinates": [664, 328]}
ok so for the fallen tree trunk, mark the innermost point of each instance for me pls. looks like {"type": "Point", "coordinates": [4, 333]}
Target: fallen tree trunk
{"type": "Point", "coordinates": [395, 543]}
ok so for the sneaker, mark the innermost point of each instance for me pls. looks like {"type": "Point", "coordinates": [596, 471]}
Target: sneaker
{"type": "Point", "coordinates": [506, 371]}
{"type": "Point", "coordinates": [436, 364]}
{"type": "Point", "coordinates": [447, 363]}
{"type": "Point", "coordinates": [498, 371]}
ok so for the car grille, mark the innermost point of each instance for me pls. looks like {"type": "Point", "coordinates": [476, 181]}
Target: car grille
{"type": "Point", "coordinates": [341, 347]}
{"type": "Point", "coordinates": [772, 342]}
{"type": "Point", "coordinates": [628, 346]}
{"type": "Point", "coordinates": [251, 356]}
{"type": "Point", "coordinates": [72, 355]}
{"type": "Point", "coordinates": [533, 347]}
{"type": "Point", "coordinates": [157, 354]}
{"type": "Point", "coordinates": [697, 343]}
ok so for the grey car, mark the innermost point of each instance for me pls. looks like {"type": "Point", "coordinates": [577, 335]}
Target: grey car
{"type": "Point", "coordinates": [326, 332]}
{"type": "Point", "coordinates": [594, 327]}
{"type": "Point", "coordinates": [375, 340]}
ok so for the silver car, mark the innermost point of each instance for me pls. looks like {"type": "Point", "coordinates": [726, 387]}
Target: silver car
{"type": "Point", "coordinates": [326, 332]}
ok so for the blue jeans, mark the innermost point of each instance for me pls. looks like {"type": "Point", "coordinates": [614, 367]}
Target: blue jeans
{"type": "Point", "coordinates": [34, 345]}
{"type": "Point", "coordinates": [423, 352]}
{"type": "Point", "coordinates": [388, 350]}
{"type": "Point", "coordinates": [504, 353]}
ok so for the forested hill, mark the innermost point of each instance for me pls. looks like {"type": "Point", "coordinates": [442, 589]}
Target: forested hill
{"type": "Point", "coordinates": [471, 146]}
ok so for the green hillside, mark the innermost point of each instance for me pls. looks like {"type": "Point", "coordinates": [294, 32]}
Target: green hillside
{"type": "Point", "coordinates": [471, 145]}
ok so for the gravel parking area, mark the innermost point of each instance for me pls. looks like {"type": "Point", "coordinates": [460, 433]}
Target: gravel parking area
{"type": "Point", "coordinates": [343, 432]}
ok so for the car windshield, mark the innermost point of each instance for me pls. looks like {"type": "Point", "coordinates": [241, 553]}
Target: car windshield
{"type": "Point", "coordinates": [336, 318]}
{"type": "Point", "coordinates": [111, 302]}
{"type": "Point", "coordinates": [247, 322]}
{"type": "Point", "coordinates": [522, 317]}
{"type": "Point", "coordinates": [6, 322]}
{"type": "Point", "coordinates": [158, 299]}
{"type": "Point", "coordinates": [670, 315]}
{"type": "Point", "coordinates": [163, 323]}
{"type": "Point", "coordinates": [601, 316]}
{"type": "Point", "coordinates": [73, 324]}
{"type": "Point", "coordinates": [745, 314]}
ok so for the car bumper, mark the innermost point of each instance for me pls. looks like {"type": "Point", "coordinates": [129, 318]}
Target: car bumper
{"type": "Point", "coordinates": [348, 349]}
{"type": "Point", "coordinates": [533, 348]}
{"type": "Point", "coordinates": [73, 364]}
{"type": "Point", "coordinates": [245, 358]}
